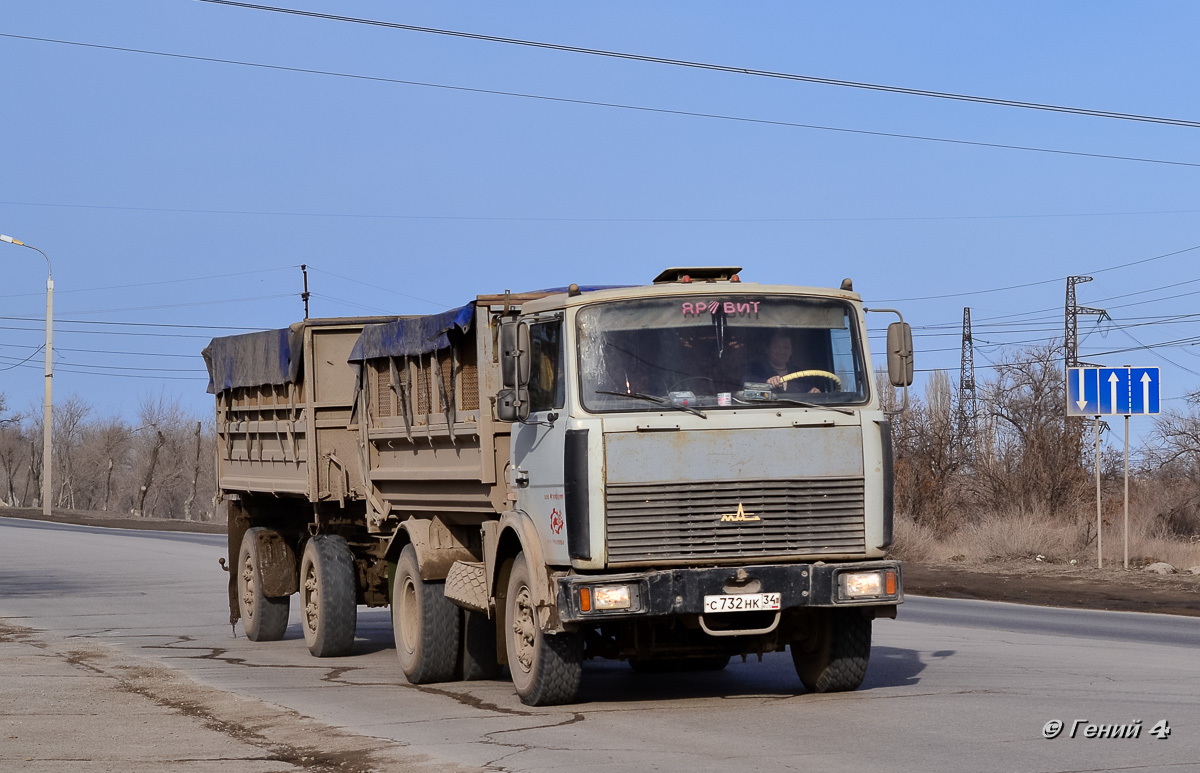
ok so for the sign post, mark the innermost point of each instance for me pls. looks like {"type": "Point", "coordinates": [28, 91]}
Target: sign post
{"type": "Point", "coordinates": [1121, 391]}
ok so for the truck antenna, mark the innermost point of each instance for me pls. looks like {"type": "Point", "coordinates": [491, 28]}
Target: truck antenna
{"type": "Point", "coordinates": [304, 295]}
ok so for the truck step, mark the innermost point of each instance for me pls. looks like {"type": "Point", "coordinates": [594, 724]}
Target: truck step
{"type": "Point", "coordinates": [466, 586]}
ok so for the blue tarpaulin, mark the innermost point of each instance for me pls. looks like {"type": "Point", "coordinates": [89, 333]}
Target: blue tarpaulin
{"type": "Point", "coordinates": [411, 335]}
{"type": "Point", "coordinates": [253, 359]}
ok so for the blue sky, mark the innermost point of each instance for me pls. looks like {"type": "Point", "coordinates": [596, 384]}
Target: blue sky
{"type": "Point", "coordinates": [173, 192]}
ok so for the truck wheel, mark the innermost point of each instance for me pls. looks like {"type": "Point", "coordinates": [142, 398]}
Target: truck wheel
{"type": "Point", "coordinates": [832, 655]}
{"type": "Point", "coordinates": [328, 599]}
{"type": "Point", "coordinates": [425, 624]}
{"type": "Point", "coordinates": [264, 618]}
{"type": "Point", "coordinates": [478, 647]}
{"type": "Point", "coordinates": [546, 668]}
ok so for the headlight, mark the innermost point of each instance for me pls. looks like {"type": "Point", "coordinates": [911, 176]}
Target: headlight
{"type": "Point", "coordinates": [611, 597]}
{"type": "Point", "coordinates": [604, 597]}
{"type": "Point", "coordinates": [857, 585]}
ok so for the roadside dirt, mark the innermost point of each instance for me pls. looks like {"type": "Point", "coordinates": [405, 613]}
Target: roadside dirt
{"type": "Point", "coordinates": [1030, 582]}
{"type": "Point", "coordinates": [1055, 585]}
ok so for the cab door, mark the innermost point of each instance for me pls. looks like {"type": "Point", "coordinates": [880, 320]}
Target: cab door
{"type": "Point", "coordinates": [538, 443]}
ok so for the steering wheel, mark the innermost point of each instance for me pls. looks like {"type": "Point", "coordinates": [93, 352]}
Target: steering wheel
{"type": "Point", "coordinates": [701, 382]}
{"type": "Point", "coordinates": [837, 382]}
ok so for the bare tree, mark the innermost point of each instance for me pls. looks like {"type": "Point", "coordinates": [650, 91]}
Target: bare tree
{"type": "Point", "coordinates": [1031, 458]}
{"type": "Point", "coordinates": [12, 451]}
{"type": "Point", "coordinates": [1172, 455]}
{"type": "Point", "coordinates": [161, 458]}
{"type": "Point", "coordinates": [187, 505]}
{"type": "Point", "coordinates": [69, 428]}
{"type": "Point", "coordinates": [105, 462]}
{"type": "Point", "coordinates": [925, 454]}
{"type": "Point", "coordinates": [1176, 435]}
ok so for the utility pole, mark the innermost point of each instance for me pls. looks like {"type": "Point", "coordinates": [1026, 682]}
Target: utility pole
{"type": "Point", "coordinates": [1071, 312]}
{"type": "Point", "coordinates": [967, 405]}
{"type": "Point", "coordinates": [47, 403]}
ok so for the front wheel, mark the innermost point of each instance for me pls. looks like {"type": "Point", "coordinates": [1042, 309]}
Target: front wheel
{"type": "Point", "coordinates": [832, 653]}
{"type": "Point", "coordinates": [264, 618]}
{"type": "Point", "coordinates": [546, 668]}
{"type": "Point", "coordinates": [328, 598]}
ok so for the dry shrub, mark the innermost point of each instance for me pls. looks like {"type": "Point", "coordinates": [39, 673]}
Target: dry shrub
{"type": "Point", "coordinates": [915, 541]}
{"type": "Point", "coordinates": [1020, 534]}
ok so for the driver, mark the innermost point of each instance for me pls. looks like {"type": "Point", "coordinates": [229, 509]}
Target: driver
{"type": "Point", "coordinates": [778, 364]}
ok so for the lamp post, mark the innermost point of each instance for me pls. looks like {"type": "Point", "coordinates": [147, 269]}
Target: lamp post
{"type": "Point", "coordinates": [46, 407]}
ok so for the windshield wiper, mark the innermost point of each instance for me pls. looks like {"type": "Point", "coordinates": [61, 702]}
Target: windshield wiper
{"type": "Point", "coordinates": [802, 404]}
{"type": "Point", "coordinates": [654, 399]}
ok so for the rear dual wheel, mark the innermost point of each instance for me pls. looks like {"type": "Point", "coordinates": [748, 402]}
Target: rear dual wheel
{"type": "Point", "coordinates": [264, 618]}
{"type": "Point", "coordinates": [328, 596]}
{"type": "Point", "coordinates": [425, 624]}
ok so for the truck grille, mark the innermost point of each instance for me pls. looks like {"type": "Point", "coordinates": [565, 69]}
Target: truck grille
{"type": "Point", "coordinates": [656, 522]}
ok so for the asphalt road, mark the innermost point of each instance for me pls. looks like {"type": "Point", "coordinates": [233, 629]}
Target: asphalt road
{"type": "Point", "coordinates": [953, 685]}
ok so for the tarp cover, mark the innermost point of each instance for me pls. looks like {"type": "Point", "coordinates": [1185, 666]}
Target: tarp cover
{"type": "Point", "coordinates": [411, 335]}
{"type": "Point", "coordinates": [253, 359]}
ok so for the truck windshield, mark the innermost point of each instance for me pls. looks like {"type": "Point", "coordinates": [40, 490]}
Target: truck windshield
{"type": "Point", "coordinates": [732, 351]}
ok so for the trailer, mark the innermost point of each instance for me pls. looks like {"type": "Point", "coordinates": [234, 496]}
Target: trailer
{"type": "Point", "coordinates": [535, 479]}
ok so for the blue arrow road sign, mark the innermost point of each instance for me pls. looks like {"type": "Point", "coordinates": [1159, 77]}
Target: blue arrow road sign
{"type": "Point", "coordinates": [1112, 391]}
{"type": "Point", "coordinates": [1143, 390]}
{"type": "Point", "coordinates": [1083, 397]}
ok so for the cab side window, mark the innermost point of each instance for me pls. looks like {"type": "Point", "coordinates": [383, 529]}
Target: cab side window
{"type": "Point", "coordinates": [547, 390]}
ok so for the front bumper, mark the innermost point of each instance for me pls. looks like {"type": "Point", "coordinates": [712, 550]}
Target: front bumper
{"type": "Point", "coordinates": [672, 592]}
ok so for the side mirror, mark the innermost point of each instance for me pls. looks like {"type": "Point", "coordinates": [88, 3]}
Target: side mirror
{"type": "Point", "coordinates": [512, 402]}
{"type": "Point", "coordinates": [900, 354]}
{"type": "Point", "coordinates": [508, 352]}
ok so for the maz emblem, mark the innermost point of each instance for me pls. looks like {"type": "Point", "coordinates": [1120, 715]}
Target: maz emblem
{"type": "Point", "coordinates": [740, 516]}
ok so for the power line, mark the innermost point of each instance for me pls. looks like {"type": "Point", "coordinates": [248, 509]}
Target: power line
{"type": "Point", "coordinates": [185, 305]}
{"type": "Point", "coordinates": [319, 270]}
{"type": "Point", "coordinates": [721, 68]}
{"type": "Point", "coordinates": [1026, 284]}
{"type": "Point", "coordinates": [111, 332]}
{"type": "Point", "coordinates": [100, 370]}
{"type": "Point", "coordinates": [131, 324]}
{"type": "Point", "coordinates": [613, 105]}
{"type": "Point", "coordinates": [59, 349]}
{"type": "Point", "coordinates": [537, 219]}
{"type": "Point", "coordinates": [211, 277]}
{"type": "Point", "coordinates": [22, 362]}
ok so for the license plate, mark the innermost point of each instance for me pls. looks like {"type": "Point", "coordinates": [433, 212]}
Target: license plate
{"type": "Point", "coordinates": [742, 602]}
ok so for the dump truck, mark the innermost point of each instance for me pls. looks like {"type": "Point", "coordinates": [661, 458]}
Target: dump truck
{"type": "Point", "coordinates": [540, 478]}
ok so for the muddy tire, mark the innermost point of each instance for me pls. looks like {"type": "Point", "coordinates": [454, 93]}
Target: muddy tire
{"type": "Point", "coordinates": [546, 668]}
{"type": "Point", "coordinates": [264, 618]}
{"type": "Point", "coordinates": [478, 660]}
{"type": "Point", "coordinates": [832, 655]}
{"type": "Point", "coordinates": [328, 598]}
{"type": "Point", "coordinates": [425, 624]}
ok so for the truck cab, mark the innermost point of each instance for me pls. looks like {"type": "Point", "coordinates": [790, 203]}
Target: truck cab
{"type": "Point", "coordinates": [707, 470]}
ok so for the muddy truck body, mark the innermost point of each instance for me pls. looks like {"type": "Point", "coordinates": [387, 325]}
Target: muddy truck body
{"type": "Point", "coordinates": [536, 479]}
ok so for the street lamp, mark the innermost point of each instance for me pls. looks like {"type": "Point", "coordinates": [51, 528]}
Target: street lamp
{"type": "Point", "coordinates": [46, 408]}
